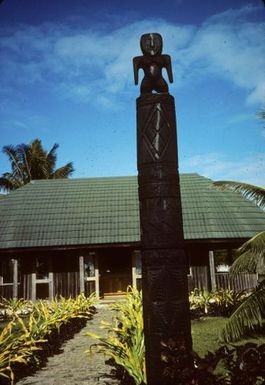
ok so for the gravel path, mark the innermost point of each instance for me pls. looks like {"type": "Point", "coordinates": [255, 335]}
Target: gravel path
{"type": "Point", "coordinates": [72, 366]}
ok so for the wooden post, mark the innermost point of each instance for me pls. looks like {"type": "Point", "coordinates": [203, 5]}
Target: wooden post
{"type": "Point", "coordinates": [1, 276]}
{"type": "Point", "coordinates": [15, 278]}
{"type": "Point", "coordinates": [81, 274]}
{"type": "Point", "coordinates": [164, 263]}
{"type": "Point", "coordinates": [33, 286]}
{"type": "Point", "coordinates": [51, 286]}
{"type": "Point", "coordinates": [212, 270]}
{"type": "Point", "coordinates": [134, 281]}
{"type": "Point", "coordinates": [96, 276]}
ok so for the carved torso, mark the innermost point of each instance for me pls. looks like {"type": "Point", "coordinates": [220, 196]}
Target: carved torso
{"type": "Point", "coordinates": [152, 62]}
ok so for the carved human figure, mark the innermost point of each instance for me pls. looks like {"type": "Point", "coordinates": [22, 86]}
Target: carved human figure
{"type": "Point", "coordinates": [152, 62]}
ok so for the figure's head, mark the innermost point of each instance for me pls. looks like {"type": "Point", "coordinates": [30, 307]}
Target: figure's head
{"type": "Point", "coordinates": [151, 44]}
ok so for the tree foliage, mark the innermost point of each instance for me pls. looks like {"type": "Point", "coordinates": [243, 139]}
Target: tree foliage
{"type": "Point", "coordinates": [247, 316]}
{"type": "Point", "coordinates": [30, 162]}
{"type": "Point", "coordinates": [251, 259]}
{"type": "Point", "coordinates": [252, 192]}
{"type": "Point", "coordinates": [252, 256]}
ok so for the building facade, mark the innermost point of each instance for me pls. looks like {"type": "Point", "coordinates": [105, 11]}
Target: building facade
{"type": "Point", "coordinates": [63, 237]}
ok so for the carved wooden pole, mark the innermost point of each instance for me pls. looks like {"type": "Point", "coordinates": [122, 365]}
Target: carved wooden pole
{"type": "Point", "coordinates": [164, 275]}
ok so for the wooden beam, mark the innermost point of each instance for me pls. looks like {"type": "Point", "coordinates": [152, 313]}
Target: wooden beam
{"type": "Point", "coordinates": [92, 247]}
{"type": "Point", "coordinates": [212, 270]}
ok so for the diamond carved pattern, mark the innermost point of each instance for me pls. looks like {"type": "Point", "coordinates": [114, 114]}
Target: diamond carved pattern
{"type": "Point", "coordinates": [164, 273]}
{"type": "Point", "coordinates": [157, 133]}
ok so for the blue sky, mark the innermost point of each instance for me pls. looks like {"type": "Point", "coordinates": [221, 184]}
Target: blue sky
{"type": "Point", "coordinates": [66, 77]}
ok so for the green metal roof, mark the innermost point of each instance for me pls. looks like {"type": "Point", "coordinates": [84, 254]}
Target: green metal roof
{"type": "Point", "coordinates": [66, 212]}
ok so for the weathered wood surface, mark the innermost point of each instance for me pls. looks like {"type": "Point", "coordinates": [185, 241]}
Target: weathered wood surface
{"type": "Point", "coordinates": [6, 291]}
{"type": "Point", "coordinates": [238, 282]}
{"type": "Point", "coordinates": [199, 279]}
{"type": "Point", "coordinates": [66, 284]}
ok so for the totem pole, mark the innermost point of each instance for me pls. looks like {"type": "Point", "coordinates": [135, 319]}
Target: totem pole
{"type": "Point", "coordinates": [164, 274]}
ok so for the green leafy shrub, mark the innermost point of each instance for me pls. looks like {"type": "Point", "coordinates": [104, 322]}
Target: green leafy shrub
{"type": "Point", "coordinates": [124, 342]}
{"type": "Point", "coordinates": [17, 346]}
{"type": "Point", "coordinates": [244, 365]}
{"type": "Point", "coordinates": [9, 307]}
{"type": "Point", "coordinates": [216, 303]}
{"type": "Point", "coordinates": [26, 342]}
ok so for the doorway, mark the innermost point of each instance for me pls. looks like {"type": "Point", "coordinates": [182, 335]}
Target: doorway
{"type": "Point", "coordinates": [115, 272]}
{"type": "Point", "coordinates": [43, 278]}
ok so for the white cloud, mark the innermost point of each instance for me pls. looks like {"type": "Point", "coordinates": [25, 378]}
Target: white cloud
{"type": "Point", "coordinates": [232, 49]}
{"type": "Point", "coordinates": [218, 167]}
{"type": "Point", "coordinates": [83, 61]}
{"type": "Point", "coordinates": [105, 60]}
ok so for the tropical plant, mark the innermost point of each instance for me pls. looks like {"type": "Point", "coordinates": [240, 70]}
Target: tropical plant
{"type": "Point", "coordinates": [124, 343]}
{"type": "Point", "coordinates": [215, 303]}
{"type": "Point", "coordinates": [244, 364]}
{"type": "Point", "coordinates": [251, 259]}
{"type": "Point", "coordinates": [200, 301]}
{"type": "Point", "coordinates": [24, 341]}
{"type": "Point", "coordinates": [11, 306]}
{"type": "Point", "coordinates": [16, 346]}
{"type": "Point", "coordinates": [251, 253]}
{"type": "Point", "coordinates": [246, 317]}
{"type": "Point", "coordinates": [252, 192]}
{"type": "Point", "coordinates": [30, 162]}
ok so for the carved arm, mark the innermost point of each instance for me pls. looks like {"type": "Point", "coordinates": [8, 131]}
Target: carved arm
{"type": "Point", "coordinates": [136, 62]}
{"type": "Point", "coordinates": [168, 67]}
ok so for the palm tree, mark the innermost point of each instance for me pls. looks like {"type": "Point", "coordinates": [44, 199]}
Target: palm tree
{"type": "Point", "coordinates": [32, 161]}
{"type": "Point", "coordinates": [252, 192]}
{"type": "Point", "coordinates": [251, 255]}
{"type": "Point", "coordinates": [251, 259]}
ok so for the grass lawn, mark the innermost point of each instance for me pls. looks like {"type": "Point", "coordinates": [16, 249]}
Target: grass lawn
{"type": "Point", "coordinates": [205, 335]}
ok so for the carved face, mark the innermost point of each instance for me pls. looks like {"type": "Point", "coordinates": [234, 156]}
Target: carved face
{"type": "Point", "coordinates": [151, 44]}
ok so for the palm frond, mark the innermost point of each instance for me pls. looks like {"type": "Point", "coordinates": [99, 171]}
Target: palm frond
{"type": "Point", "coordinates": [246, 317]}
{"type": "Point", "coordinates": [37, 160]}
{"type": "Point", "coordinates": [252, 256]}
{"type": "Point", "coordinates": [252, 192]}
{"type": "Point", "coordinates": [12, 155]}
{"type": "Point", "coordinates": [22, 151]}
{"type": "Point", "coordinates": [52, 156]}
{"type": "Point", "coordinates": [245, 263]}
{"type": "Point", "coordinates": [9, 184]}
{"type": "Point", "coordinates": [63, 172]}
{"type": "Point", "coordinates": [255, 245]}
{"type": "Point", "coordinates": [29, 162]}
